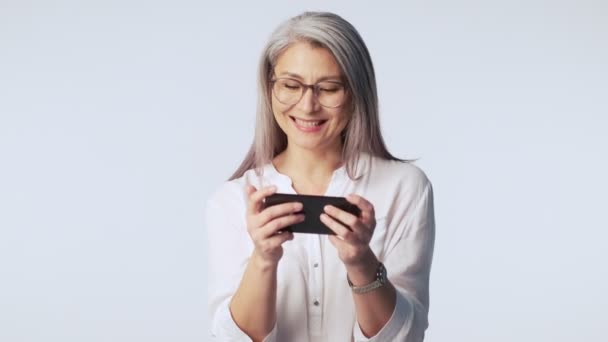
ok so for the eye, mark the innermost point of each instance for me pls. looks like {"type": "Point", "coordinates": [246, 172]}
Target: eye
{"type": "Point", "coordinates": [330, 87]}
{"type": "Point", "coordinates": [290, 85]}
{"type": "Point", "coordinates": [329, 90]}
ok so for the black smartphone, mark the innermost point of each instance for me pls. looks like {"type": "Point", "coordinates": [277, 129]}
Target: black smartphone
{"type": "Point", "coordinates": [312, 210]}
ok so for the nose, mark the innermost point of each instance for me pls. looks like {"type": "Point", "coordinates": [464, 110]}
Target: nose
{"type": "Point", "coordinates": [309, 103]}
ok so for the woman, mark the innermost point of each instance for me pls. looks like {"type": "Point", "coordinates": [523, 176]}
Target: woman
{"type": "Point", "coordinates": [318, 133]}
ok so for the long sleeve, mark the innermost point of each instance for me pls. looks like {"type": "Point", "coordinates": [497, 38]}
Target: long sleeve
{"type": "Point", "coordinates": [408, 263]}
{"type": "Point", "coordinates": [229, 248]}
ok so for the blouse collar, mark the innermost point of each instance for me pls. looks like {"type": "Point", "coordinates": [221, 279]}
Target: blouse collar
{"type": "Point", "coordinates": [271, 174]}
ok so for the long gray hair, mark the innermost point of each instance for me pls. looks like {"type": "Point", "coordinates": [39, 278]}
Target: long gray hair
{"type": "Point", "coordinates": [330, 31]}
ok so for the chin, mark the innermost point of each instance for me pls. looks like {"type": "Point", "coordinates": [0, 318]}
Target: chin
{"type": "Point", "coordinates": [311, 143]}
{"type": "Point", "coordinates": [307, 144]}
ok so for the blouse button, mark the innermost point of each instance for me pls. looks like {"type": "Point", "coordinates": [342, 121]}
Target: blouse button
{"type": "Point", "coordinates": [316, 303]}
{"type": "Point", "coordinates": [316, 264]}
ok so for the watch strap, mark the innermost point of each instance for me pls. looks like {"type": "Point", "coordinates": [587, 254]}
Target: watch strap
{"type": "Point", "coordinates": [378, 282]}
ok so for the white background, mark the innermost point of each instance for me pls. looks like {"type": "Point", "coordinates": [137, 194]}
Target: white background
{"type": "Point", "coordinates": [118, 118]}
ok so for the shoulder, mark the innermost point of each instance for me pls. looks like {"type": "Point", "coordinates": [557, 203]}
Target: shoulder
{"type": "Point", "coordinates": [234, 191]}
{"type": "Point", "coordinates": [398, 173]}
{"type": "Point", "coordinates": [230, 193]}
{"type": "Point", "coordinates": [396, 187]}
{"type": "Point", "coordinates": [226, 192]}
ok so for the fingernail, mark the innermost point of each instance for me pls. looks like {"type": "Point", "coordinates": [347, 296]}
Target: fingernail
{"type": "Point", "coordinates": [298, 206]}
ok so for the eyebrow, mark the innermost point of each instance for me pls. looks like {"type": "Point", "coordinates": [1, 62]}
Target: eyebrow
{"type": "Point", "coordinates": [321, 79]}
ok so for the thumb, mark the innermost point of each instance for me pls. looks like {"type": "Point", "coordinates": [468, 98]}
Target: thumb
{"type": "Point", "coordinates": [249, 189]}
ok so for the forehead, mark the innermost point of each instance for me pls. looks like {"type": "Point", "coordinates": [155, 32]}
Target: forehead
{"type": "Point", "coordinates": [308, 61]}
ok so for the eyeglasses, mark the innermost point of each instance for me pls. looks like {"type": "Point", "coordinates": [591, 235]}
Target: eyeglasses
{"type": "Point", "coordinates": [288, 91]}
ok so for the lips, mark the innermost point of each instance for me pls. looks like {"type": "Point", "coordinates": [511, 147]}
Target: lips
{"type": "Point", "coordinates": [308, 125]}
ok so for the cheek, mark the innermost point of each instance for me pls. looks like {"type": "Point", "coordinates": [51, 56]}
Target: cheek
{"type": "Point", "coordinates": [280, 120]}
{"type": "Point", "coordinates": [278, 110]}
{"type": "Point", "coordinates": [342, 120]}
{"type": "Point", "coordinates": [280, 117]}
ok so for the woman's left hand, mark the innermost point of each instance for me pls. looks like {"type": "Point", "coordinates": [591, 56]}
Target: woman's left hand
{"type": "Point", "coordinates": [354, 233]}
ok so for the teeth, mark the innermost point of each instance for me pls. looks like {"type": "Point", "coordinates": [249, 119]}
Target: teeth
{"type": "Point", "coordinates": [308, 123]}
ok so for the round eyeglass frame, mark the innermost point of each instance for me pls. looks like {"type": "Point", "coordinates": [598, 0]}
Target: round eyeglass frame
{"type": "Point", "coordinates": [313, 87]}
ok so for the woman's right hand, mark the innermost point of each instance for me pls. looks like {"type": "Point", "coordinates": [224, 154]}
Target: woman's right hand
{"type": "Point", "coordinates": [264, 226]}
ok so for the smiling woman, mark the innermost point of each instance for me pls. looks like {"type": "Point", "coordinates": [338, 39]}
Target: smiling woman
{"type": "Point", "coordinates": [318, 133]}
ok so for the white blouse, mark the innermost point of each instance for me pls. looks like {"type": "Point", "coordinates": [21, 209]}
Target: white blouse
{"type": "Point", "coordinates": [314, 301]}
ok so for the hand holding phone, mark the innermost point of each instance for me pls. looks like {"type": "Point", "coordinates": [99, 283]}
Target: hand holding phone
{"type": "Point", "coordinates": [312, 210]}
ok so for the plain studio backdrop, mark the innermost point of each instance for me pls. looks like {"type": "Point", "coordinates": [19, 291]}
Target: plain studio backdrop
{"type": "Point", "coordinates": [118, 119]}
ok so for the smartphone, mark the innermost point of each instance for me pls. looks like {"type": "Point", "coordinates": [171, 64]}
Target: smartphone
{"type": "Point", "coordinates": [312, 210]}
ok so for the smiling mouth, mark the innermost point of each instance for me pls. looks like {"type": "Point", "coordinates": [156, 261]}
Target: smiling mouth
{"type": "Point", "coordinates": [307, 123]}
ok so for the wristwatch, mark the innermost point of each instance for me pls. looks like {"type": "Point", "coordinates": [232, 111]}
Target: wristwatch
{"type": "Point", "coordinates": [381, 279]}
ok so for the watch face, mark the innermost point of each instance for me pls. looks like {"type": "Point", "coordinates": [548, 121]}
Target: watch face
{"type": "Point", "coordinates": [381, 273]}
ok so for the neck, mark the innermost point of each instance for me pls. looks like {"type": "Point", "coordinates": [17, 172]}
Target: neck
{"type": "Point", "coordinates": [310, 166]}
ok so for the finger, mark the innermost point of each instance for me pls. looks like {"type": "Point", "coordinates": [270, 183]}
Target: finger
{"type": "Point", "coordinates": [274, 242]}
{"type": "Point", "coordinates": [273, 227]}
{"type": "Point", "coordinates": [341, 231]}
{"type": "Point", "coordinates": [368, 213]}
{"type": "Point", "coordinates": [249, 189]}
{"type": "Point", "coordinates": [345, 217]}
{"type": "Point", "coordinates": [337, 241]}
{"type": "Point", "coordinates": [254, 199]}
{"type": "Point", "coordinates": [352, 222]}
{"type": "Point", "coordinates": [278, 210]}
